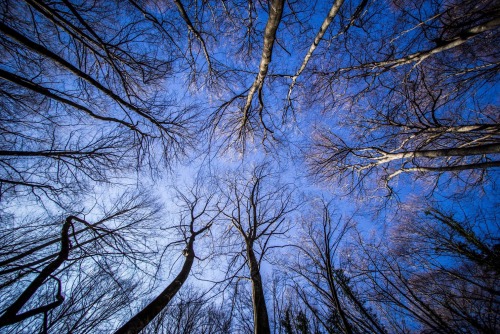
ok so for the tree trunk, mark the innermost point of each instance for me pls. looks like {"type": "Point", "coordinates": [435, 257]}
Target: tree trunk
{"type": "Point", "coordinates": [148, 313]}
{"type": "Point", "coordinates": [260, 317]}
{"type": "Point", "coordinates": [10, 315]}
{"type": "Point", "coordinates": [444, 152]}
{"type": "Point", "coordinates": [275, 13]}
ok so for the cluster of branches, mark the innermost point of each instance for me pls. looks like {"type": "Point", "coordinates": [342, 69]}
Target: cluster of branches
{"type": "Point", "coordinates": [438, 270]}
{"type": "Point", "coordinates": [336, 281]}
{"type": "Point", "coordinates": [81, 95]}
{"type": "Point", "coordinates": [75, 274]}
{"type": "Point", "coordinates": [416, 97]}
{"type": "Point", "coordinates": [421, 102]}
{"type": "Point", "coordinates": [431, 273]}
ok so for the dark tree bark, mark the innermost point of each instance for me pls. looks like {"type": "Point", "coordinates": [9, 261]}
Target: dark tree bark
{"type": "Point", "coordinates": [260, 316]}
{"type": "Point", "coordinates": [148, 313]}
{"type": "Point", "coordinates": [258, 210]}
{"type": "Point", "coordinates": [10, 315]}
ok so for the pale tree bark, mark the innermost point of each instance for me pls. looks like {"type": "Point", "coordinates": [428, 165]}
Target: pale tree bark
{"type": "Point", "coordinates": [275, 13]}
{"type": "Point", "coordinates": [423, 169]}
{"type": "Point", "coordinates": [383, 157]}
{"type": "Point", "coordinates": [429, 150]}
{"type": "Point", "coordinates": [322, 30]}
{"type": "Point", "coordinates": [405, 104]}
{"type": "Point", "coordinates": [420, 56]}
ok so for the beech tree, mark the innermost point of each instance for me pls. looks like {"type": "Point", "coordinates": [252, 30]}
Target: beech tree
{"type": "Point", "coordinates": [197, 218]}
{"type": "Point", "coordinates": [80, 98]}
{"type": "Point", "coordinates": [410, 274]}
{"type": "Point", "coordinates": [258, 210]}
{"type": "Point", "coordinates": [47, 272]}
{"type": "Point", "coordinates": [99, 98]}
{"type": "Point", "coordinates": [322, 281]}
{"type": "Point", "coordinates": [421, 101]}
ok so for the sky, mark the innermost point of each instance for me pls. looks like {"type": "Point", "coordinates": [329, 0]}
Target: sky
{"type": "Point", "coordinates": [167, 109]}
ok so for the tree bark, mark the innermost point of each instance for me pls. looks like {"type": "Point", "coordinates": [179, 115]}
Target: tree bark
{"type": "Point", "coordinates": [326, 23]}
{"type": "Point", "coordinates": [260, 317]}
{"type": "Point", "coordinates": [11, 316]}
{"type": "Point", "coordinates": [445, 152]}
{"type": "Point", "coordinates": [275, 13]}
{"type": "Point", "coordinates": [422, 55]}
{"type": "Point", "coordinates": [148, 313]}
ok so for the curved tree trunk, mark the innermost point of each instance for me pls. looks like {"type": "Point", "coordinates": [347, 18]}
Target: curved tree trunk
{"type": "Point", "coordinates": [11, 314]}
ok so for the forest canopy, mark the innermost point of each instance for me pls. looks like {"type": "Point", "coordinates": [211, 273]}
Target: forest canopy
{"type": "Point", "coordinates": [278, 166]}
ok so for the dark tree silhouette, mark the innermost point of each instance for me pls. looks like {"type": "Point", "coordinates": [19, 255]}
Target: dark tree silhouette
{"type": "Point", "coordinates": [258, 209]}
{"type": "Point", "coordinates": [197, 213]}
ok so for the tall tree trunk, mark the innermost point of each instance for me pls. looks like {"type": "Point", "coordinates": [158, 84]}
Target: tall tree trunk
{"type": "Point", "coordinates": [260, 317]}
{"type": "Point", "coordinates": [275, 13]}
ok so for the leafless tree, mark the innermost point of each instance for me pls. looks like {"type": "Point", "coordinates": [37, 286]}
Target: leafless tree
{"type": "Point", "coordinates": [80, 99]}
{"type": "Point", "coordinates": [322, 281]}
{"type": "Point", "coordinates": [42, 267]}
{"type": "Point", "coordinates": [191, 312]}
{"type": "Point", "coordinates": [95, 94]}
{"type": "Point", "coordinates": [436, 270]}
{"type": "Point", "coordinates": [196, 219]}
{"type": "Point", "coordinates": [240, 118]}
{"type": "Point", "coordinates": [419, 101]}
{"type": "Point", "coordinates": [258, 210]}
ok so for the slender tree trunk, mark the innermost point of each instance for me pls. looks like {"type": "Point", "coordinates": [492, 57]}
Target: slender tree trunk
{"type": "Point", "coordinates": [148, 313]}
{"type": "Point", "coordinates": [260, 317]}
{"type": "Point", "coordinates": [460, 39]}
{"type": "Point", "coordinates": [331, 278]}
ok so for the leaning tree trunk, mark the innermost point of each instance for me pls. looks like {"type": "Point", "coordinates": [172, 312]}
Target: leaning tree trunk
{"type": "Point", "coordinates": [148, 313]}
{"type": "Point", "coordinates": [260, 318]}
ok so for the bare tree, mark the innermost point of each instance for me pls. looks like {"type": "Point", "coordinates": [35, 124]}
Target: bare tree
{"type": "Point", "coordinates": [419, 102]}
{"type": "Point", "coordinates": [196, 219]}
{"type": "Point", "coordinates": [249, 120]}
{"type": "Point", "coordinates": [81, 101]}
{"type": "Point", "coordinates": [436, 270]}
{"type": "Point", "coordinates": [258, 209]}
{"type": "Point", "coordinates": [322, 281]}
{"type": "Point", "coordinates": [191, 312]}
{"type": "Point", "coordinates": [95, 94]}
{"type": "Point", "coordinates": [11, 314]}
{"type": "Point", "coordinates": [41, 268]}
